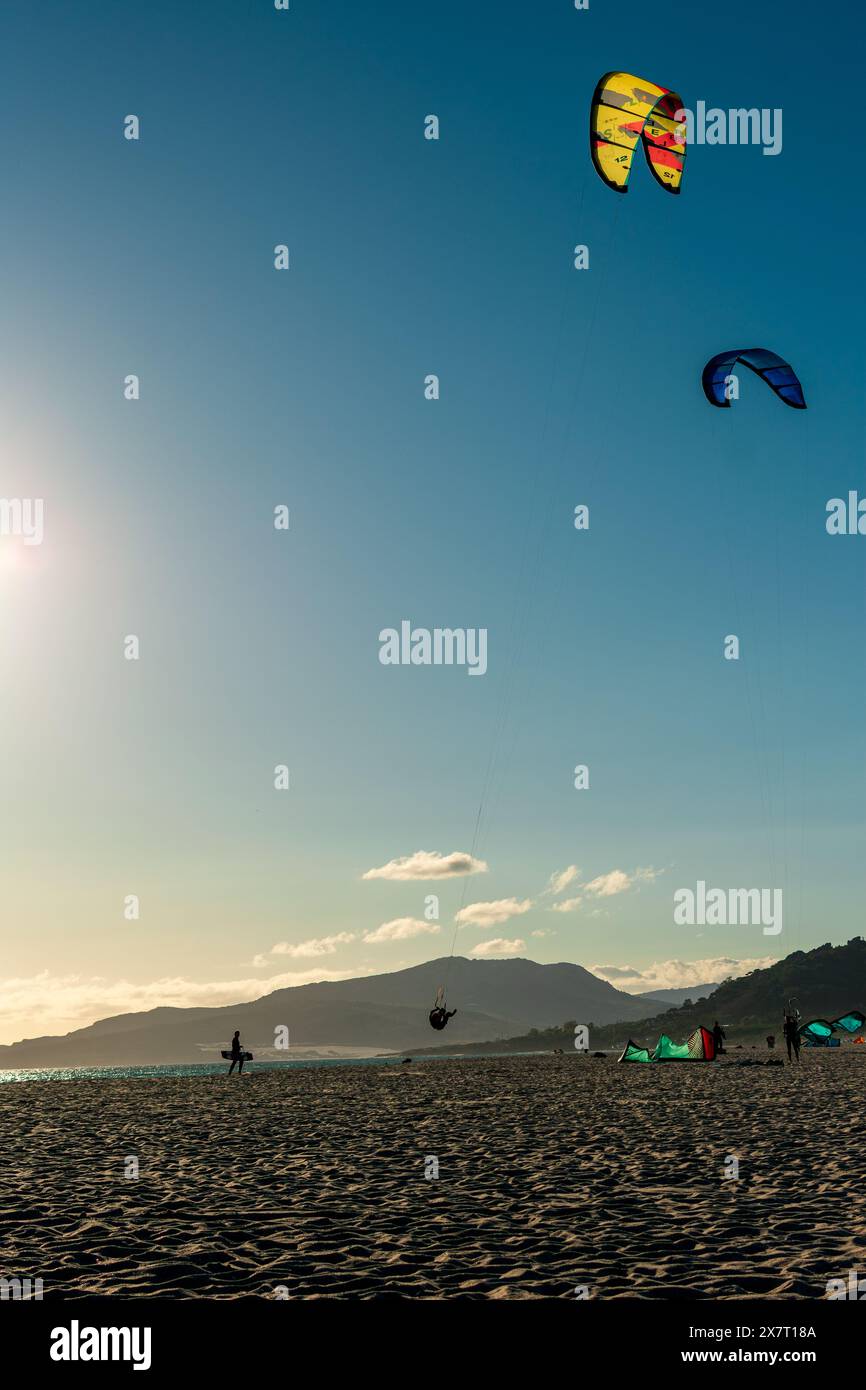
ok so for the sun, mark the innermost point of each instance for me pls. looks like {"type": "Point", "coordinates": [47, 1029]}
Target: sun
{"type": "Point", "coordinates": [16, 557]}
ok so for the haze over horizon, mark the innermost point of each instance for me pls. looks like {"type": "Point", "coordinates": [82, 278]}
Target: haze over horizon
{"type": "Point", "coordinates": [100, 1000]}
{"type": "Point", "coordinates": [153, 778]}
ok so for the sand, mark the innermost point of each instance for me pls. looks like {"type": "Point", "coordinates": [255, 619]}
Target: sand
{"type": "Point", "coordinates": [554, 1172]}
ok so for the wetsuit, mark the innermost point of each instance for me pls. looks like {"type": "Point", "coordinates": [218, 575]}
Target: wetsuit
{"type": "Point", "coordinates": [439, 1017]}
{"type": "Point", "coordinates": [792, 1037]}
{"type": "Point", "coordinates": [237, 1056]}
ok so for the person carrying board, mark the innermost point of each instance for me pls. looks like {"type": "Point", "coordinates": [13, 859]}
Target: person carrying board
{"type": "Point", "coordinates": [237, 1054]}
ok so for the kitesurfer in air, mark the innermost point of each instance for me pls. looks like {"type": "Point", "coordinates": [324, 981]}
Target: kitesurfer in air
{"type": "Point", "coordinates": [792, 1036]}
{"type": "Point", "coordinates": [439, 1014]}
{"type": "Point", "coordinates": [439, 1017]}
{"type": "Point", "coordinates": [237, 1054]}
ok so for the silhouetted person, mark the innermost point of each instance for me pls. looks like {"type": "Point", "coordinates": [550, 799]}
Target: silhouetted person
{"type": "Point", "coordinates": [718, 1036]}
{"type": "Point", "coordinates": [771, 1041]}
{"type": "Point", "coordinates": [439, 1017]}
{"type": "Point", "coordinates": [237, 1054]}
{"type": "Point", "coordinates": [792, 1036]}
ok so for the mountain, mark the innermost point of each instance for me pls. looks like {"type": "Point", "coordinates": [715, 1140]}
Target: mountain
{"type": "Point", "coordinates": [825, 983]}
{"type": "Point", "coordinates": [676, 996]}
{"type": "Point", "coordinates": [494, 999]}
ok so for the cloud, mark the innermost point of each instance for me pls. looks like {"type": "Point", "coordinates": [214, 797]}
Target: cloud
{"type": "Point", "coordinates": [608, 885]}
{"type": "Point", "coordinates": [648, 875]}
{"type": "Point", "coordinates": [616, 972]}
{"type": "Point", "coordinates": [544, 933]}
{"type": "Point", "coordinates": [498, 946]}
{"type": "Point", "coordinates": [680, 974]}
{"type": "Point", "coordinates": [428, 864]}
{"type": "Point", "coordinates": [401, 929]}
{"type": "Point", "coordinates": [557, 882]}
{"type": "Point", "coordinates": [492, 914]}
{"type": "Point", "coordinates": [316, 946]}
{"type": "Point", "coordinates": [618, 881]}
{"type": "Point", "coordinates": [62, 1003]}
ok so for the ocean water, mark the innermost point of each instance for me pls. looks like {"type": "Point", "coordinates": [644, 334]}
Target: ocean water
{"type": "Point", "coordinates": [211, 1068]}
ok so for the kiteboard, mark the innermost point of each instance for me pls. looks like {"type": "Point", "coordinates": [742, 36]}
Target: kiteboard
{"type": "Point", "coordinates": [247, 1056]}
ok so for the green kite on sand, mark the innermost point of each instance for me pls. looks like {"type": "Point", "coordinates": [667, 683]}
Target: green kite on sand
{"type": "Point", "coordinates": [819, 1032]}
{"type": "Point", "coordinates": [700, 1047]}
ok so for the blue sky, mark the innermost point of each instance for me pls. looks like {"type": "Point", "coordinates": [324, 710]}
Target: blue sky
{"type": "Point", "coordinates": [305, 387]}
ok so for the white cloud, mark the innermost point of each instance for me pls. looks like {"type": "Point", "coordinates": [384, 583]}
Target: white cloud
{"type": "Point", "coordinates": [316, 946]}
{"type": "Point", "coordinates": [680, 974]}
{"type": "Point", "coordinates": [618, 881]}
{"type": "Point", "coordinates": [498, 946]}
{"type": "Point", "coordinates": [608, 885]}
{"type": "Point", "coordinates": [617, 972]}
{"type": "Point", "coordinates": [648, 875]}
{"type": "Point", "coordinates": [557, 882]}
{"type": "Point", "coordinates": [492, 914]}
{"type": "Point", "coordinates": [62, 1003]}
{"type": "Point", "coordinates": [428, 864]}
{"type": "Point", "coordinates": [401, 929]}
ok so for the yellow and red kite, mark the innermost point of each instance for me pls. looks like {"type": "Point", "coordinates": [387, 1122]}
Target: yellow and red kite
{"type": "Point", "coordinates": [626, 109]}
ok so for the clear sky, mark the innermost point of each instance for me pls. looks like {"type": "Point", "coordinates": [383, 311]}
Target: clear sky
{"type": "Point", "coordinates": [306, 388]}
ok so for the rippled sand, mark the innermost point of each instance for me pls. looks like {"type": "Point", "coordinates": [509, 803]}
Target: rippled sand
{"type": "Point", "coordinates": [554, 1172]}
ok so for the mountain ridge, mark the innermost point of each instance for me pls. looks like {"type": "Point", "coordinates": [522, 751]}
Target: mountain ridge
{"type": "Point", "coordinates": [384, 1012]}
{"type": "Point", "coordinates": [826, 981]}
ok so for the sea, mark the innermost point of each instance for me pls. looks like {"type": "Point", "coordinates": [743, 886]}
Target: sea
{"type": "Point", "coordinates": [162, 1073]}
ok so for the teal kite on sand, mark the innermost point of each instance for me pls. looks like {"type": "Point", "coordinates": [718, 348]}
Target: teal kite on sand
{"type": "Point", "coordinates": [819, 1031]}
{"type": "Point", "coordinates": [700, 1047]}
{"type": "Point", "coordinates": [852, 1022]}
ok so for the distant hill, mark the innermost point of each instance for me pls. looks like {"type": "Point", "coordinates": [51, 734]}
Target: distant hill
{"type": "Point", "coordinates": [676, 996]}
{"type": "Point", "coordinates": [825, 982]}
{"type": "Point", "coordinates": [494, 999]}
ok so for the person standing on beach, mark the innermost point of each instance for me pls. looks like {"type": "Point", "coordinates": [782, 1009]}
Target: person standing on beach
{"type": "Point", "coordinates": [718, 1036]}
{"type": "Point", "coordinates": [792, 1036]}
{"type": "Point", "coordinates": [237, 1054]}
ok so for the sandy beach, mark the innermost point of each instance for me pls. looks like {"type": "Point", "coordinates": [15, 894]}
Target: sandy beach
{"type": "Point", "coordinates": [554, 1172]}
